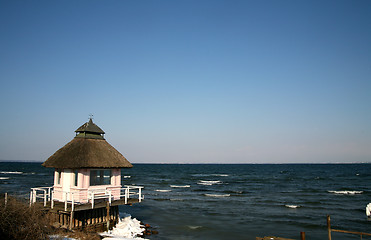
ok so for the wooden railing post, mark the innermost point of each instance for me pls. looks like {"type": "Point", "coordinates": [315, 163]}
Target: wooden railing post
{"type": "Point", "coordinates": [30, 198]}
{"type": "Point", "coordinates": [329, 227]}
{"type": "Point", "coordinates": [140, 194]}
{"type": "Point", "coordinates": [126, 195]}
{"type": "Point", "coordinates": [92, 200]}
{"type": "Point", "coordinates": [45, 198]}
{"type": "Point", "coordinates": [302, 235]}
{"type": "Point", "coordinates": [52, 200]}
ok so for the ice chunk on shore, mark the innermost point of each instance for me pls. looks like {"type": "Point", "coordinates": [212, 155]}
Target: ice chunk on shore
{"type": "Point", "coordinates": [127, 228]}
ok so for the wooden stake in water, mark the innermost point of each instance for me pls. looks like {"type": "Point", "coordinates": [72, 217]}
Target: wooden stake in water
{"type": "Point", "coordinates": [329, 227]}
{"type": "Point", "coordinates": [6, 198]}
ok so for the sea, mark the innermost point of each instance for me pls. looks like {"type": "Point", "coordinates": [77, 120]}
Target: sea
{"type": "Point", "coordinates": [233, 201]}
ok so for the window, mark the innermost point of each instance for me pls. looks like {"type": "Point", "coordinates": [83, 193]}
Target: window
{"type": "Point", "coordinates": [58, 174]}
{"type": "Point", "coordinates": [100, 177]}
{"type": "Point", "coordinates": [76, 178]}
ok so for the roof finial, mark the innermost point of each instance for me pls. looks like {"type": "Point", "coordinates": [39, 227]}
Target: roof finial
{"type": "Point", "coordinates": [91, 116]}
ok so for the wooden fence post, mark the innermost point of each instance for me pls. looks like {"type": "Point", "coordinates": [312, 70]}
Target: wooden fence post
{"type": "Point", "coordinates": [6, 199]}
{"type": "Point", "coordinates": [329, 227]}
{"type": "Point", "coordinates": [302, 235]}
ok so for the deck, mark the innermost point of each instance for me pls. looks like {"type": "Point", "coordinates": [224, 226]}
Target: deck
{"type": "Point", "coordinates": [93, 199]}
{"type": "Point", "coordinates": [98, 210]}
{"type": "Point", "coordinates": [61, 206]}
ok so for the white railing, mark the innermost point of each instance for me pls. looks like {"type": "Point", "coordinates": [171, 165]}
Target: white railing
{"type": "Point", "coordinates": [94, 194]}
{"type": "Point", "coordinates": [68, 197]}
{"type": "Point", "coordinates": [40, 192]}
{"type": "Point", "coordinates": [128, 191]}
{"type": "Point", "coordinates": [81, 197]}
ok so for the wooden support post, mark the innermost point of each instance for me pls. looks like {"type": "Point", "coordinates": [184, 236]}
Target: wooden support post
{"type": "Point", "coordinates": [71, 220]}
{"type": "Point", "coordinates": [108, 207]}
{"type": "Point", "coordinates": [329, 227]}
{"type": "Point", "coordinates": [302, 235]}
{"type": "Point", "coordinates": [6, 199]}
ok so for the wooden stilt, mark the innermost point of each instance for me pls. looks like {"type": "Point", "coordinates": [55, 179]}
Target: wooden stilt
{"type": "Point", "coordinates": [108, 208]}
{"type": "Point", "coordinates": [71, 220]}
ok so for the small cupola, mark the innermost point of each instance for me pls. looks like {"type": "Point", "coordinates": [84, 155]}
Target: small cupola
{"type": "Point", "coordinates": [90, 130]}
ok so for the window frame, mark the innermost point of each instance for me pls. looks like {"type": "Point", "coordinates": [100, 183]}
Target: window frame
{"type": "Point", "coordinates": [76, 178]}
{"type": "Point", "coordinates": [100, 177]}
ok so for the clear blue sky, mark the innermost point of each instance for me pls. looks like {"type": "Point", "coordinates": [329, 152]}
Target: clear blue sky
{"type": "Point", "coordinates": [203, 81]}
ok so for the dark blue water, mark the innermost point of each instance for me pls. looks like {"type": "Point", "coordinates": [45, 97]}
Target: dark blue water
{"type": "Point", "coordinates": [211, 201]}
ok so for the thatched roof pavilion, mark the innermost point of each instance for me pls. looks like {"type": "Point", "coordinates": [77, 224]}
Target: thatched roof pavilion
{"type": "Point", "coordinates": [88, 149]}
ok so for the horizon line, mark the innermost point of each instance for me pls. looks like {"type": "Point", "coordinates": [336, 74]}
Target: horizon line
{"type": "Point", "coordinates": [204, 163]}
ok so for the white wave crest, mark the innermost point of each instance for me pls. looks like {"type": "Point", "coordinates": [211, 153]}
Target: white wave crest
{"type": "Point", "coordinates": [210, 174]}
{"type": "Point", "coordinates": [220, 175]}
{"type": "Point", "coordinates": [208, 183]}
{"type": "Point", "coordinates": [127, 176]}
{"type": "Point", "coordinates": [346, 192]}
{"type": "Point", "coordinates": [3, 172]}
{"type": "Point", "coordinates": [194, 227]}
{"type": "Point", "coordinates": [180, 186]}
{"type": "Point", "coordinates": [162, 190]}
{"type": "Point", "coordinates": [4, 178]}
{"type": "Point", "coordinates": [292, 206]}
{"type": "Point", "coordinates": [217, 195]}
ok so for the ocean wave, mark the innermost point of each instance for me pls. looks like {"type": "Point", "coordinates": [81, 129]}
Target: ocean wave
{"type": "Point", "coordinates": [162, 190]}
{"type": "Point", "coordinates": [208, 183]}
{"type": "Point", "coordinates": [194, 227]}
{"type": "Point", "coordinates": [176, 199]}
{"type": "Point", "coordinates": [346, 192]}
{"type": "Point", "coordinates": [220, 175]}
{"type": "Point", "coordinates": [180, 186]}
{"type": "Point", "coordinates": [4, 172]}
{"type": "Point", "coordinates": [4, 178]}
{"type": "Point", "coordinates": [292, 206]}
{"type": "Point", "coordinates": [217, 195]}
{"type": "Point", "coordinates": [210, 174]}
{"type": "Point", "coordinates": [127, 176]}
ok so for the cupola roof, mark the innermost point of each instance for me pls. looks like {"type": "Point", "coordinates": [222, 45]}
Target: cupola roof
{"type": "Point", "coordinates": [87, 150]}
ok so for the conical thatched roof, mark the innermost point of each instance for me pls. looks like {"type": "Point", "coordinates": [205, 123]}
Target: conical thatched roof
{"type": "Point", "coordinates": [87, 151]}
{"type": "Point", "coordinates": [90, 127]}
